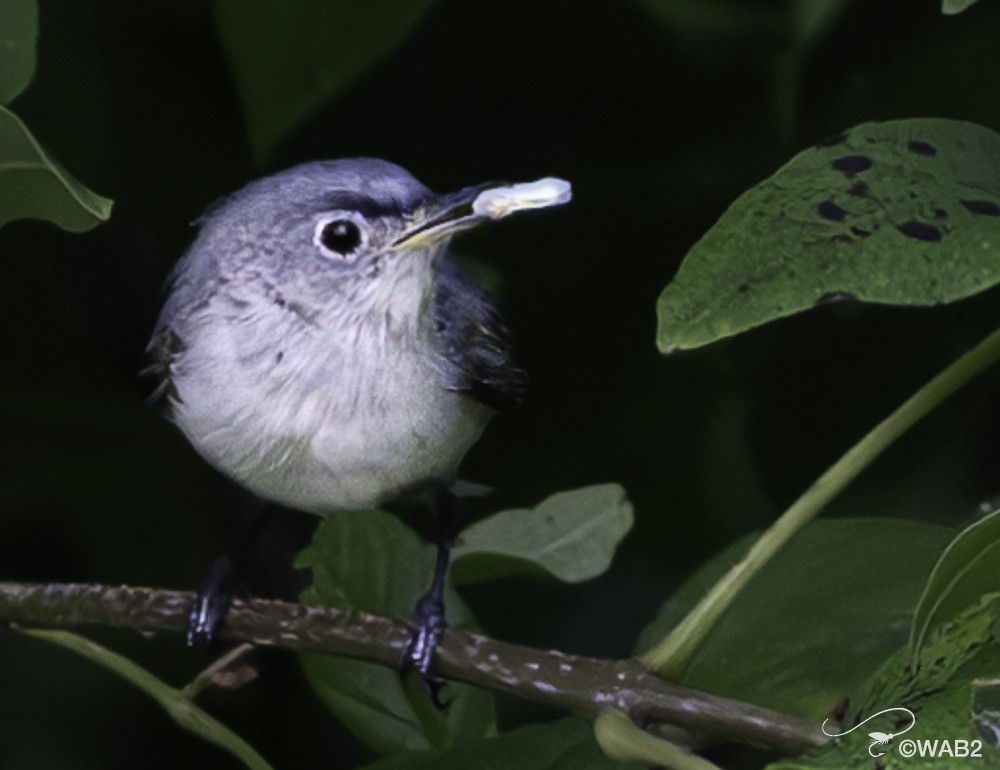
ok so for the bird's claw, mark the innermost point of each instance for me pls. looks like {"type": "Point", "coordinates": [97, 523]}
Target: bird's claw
{"type": "Point", "coordinates": [212, 602]}
{"type": "Point", "coordinates": [428, 625]}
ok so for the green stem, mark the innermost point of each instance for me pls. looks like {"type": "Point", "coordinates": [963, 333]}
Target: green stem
{"type": "Point", "coordinates": [183, 711]}
{"type": "Point", "coordinates": [623, 740]}
{"type": "Point", "coordinates": [672, 654]}
{"type": "Point", "coordinates": [210, 675]}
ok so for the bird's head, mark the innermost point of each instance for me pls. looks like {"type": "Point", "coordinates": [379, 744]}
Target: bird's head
{"type": "Point", "coordinates": [357, 228]}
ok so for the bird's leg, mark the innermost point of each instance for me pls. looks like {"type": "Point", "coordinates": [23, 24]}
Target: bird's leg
{"type": "Point", "coordinates": [212, 601]}
{"type": "Point", "coordinates": [429, 615]}
{"type": "Point", "coordinates": [223, 582]}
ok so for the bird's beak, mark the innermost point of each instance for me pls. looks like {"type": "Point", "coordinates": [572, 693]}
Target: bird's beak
{"type": "Point", "coordinates": [472, 205]}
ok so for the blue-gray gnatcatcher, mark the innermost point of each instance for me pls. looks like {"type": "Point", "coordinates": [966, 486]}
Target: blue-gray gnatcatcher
{"type": "Point", "coordinates": [321, 348]}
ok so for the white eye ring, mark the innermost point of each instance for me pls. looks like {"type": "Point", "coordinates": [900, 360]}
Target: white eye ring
{"type": "Point", "coordinates": [341, 234]}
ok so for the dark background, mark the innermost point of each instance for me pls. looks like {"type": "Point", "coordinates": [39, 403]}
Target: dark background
{"type": "Point", "coordinates": [658, 126]}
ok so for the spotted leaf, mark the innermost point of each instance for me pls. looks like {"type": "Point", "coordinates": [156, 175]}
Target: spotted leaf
{"type": "Point", "coordinates": [905, 212]}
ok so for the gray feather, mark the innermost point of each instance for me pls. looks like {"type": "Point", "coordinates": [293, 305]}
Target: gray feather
{"type": "Point", "coordinates": [476, 342]}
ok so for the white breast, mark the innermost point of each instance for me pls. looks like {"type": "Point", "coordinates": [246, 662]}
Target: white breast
{"type": "Point", "coordinates": [340, 413]}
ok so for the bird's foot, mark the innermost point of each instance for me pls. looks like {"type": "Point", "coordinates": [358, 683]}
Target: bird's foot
{"type": "Point", "coordinates": [428, 625]}
{"type": "Point", "coordinates": [212, 602]}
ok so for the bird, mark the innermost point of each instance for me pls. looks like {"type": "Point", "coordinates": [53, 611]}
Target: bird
{"type": "Point", "coordinates": [320, 346]}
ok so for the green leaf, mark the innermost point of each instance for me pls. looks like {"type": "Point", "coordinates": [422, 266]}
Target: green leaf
{"type": "Point", "coordinates": [180, 708]}
{"type": "Point", "coordinates": [565, 744]}
{"type": "Point", "coordinates": [818, 619]}
{"type": "Point", "coordinates": [968, 568]}
{"type": "Point", "coordinates": [291, 58]}
{"type": "Point", "coordinates": [985, 706]}
{"type": "Point", "coordinates": [34, 186]}
{"type": "Point", "coordinates": [697, 22]}
{"type": "Point", "coordinates": [18, 34]}
{"type": "Point", "coordinates": [943, 659]}
{"type": "Point", "coordinates": [952, 7]}
{"type": "Point", "coordinates": [937, 687]}
{"type": "Point", "coordinates": [811, 20]}
{"type": "Point", "coordinates": [370, 560]}
{"type": "Point", "coordinates": [904, 212]}
{"type": "Point", "coordinates": [570, 535]}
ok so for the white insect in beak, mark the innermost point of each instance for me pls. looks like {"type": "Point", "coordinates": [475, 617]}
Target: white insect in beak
{"type": "Point", "coordinates": [499, 202]}
{"type": "Point", "coordinates": [475, 205]}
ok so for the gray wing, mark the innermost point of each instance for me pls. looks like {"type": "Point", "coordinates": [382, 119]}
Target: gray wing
{"type": "Point", "coordinates": [192, 282]}
{"type": "Point", "coordinates": [476, 342]}
{"type": "Point", "coordinates": [166, 344]}
{"type": "Point", "coordinates": [162, 351]}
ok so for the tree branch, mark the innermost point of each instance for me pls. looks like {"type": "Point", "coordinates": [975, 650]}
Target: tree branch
{"type": "Point", "coordinates": [580, 685]}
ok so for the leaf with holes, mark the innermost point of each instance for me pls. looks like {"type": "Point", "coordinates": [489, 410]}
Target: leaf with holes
{"type": "Point", "coordinates": [905, 212]}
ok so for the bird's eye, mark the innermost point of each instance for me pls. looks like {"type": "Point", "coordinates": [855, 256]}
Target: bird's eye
{"type": "Point", "coordinates": [340, 235]}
